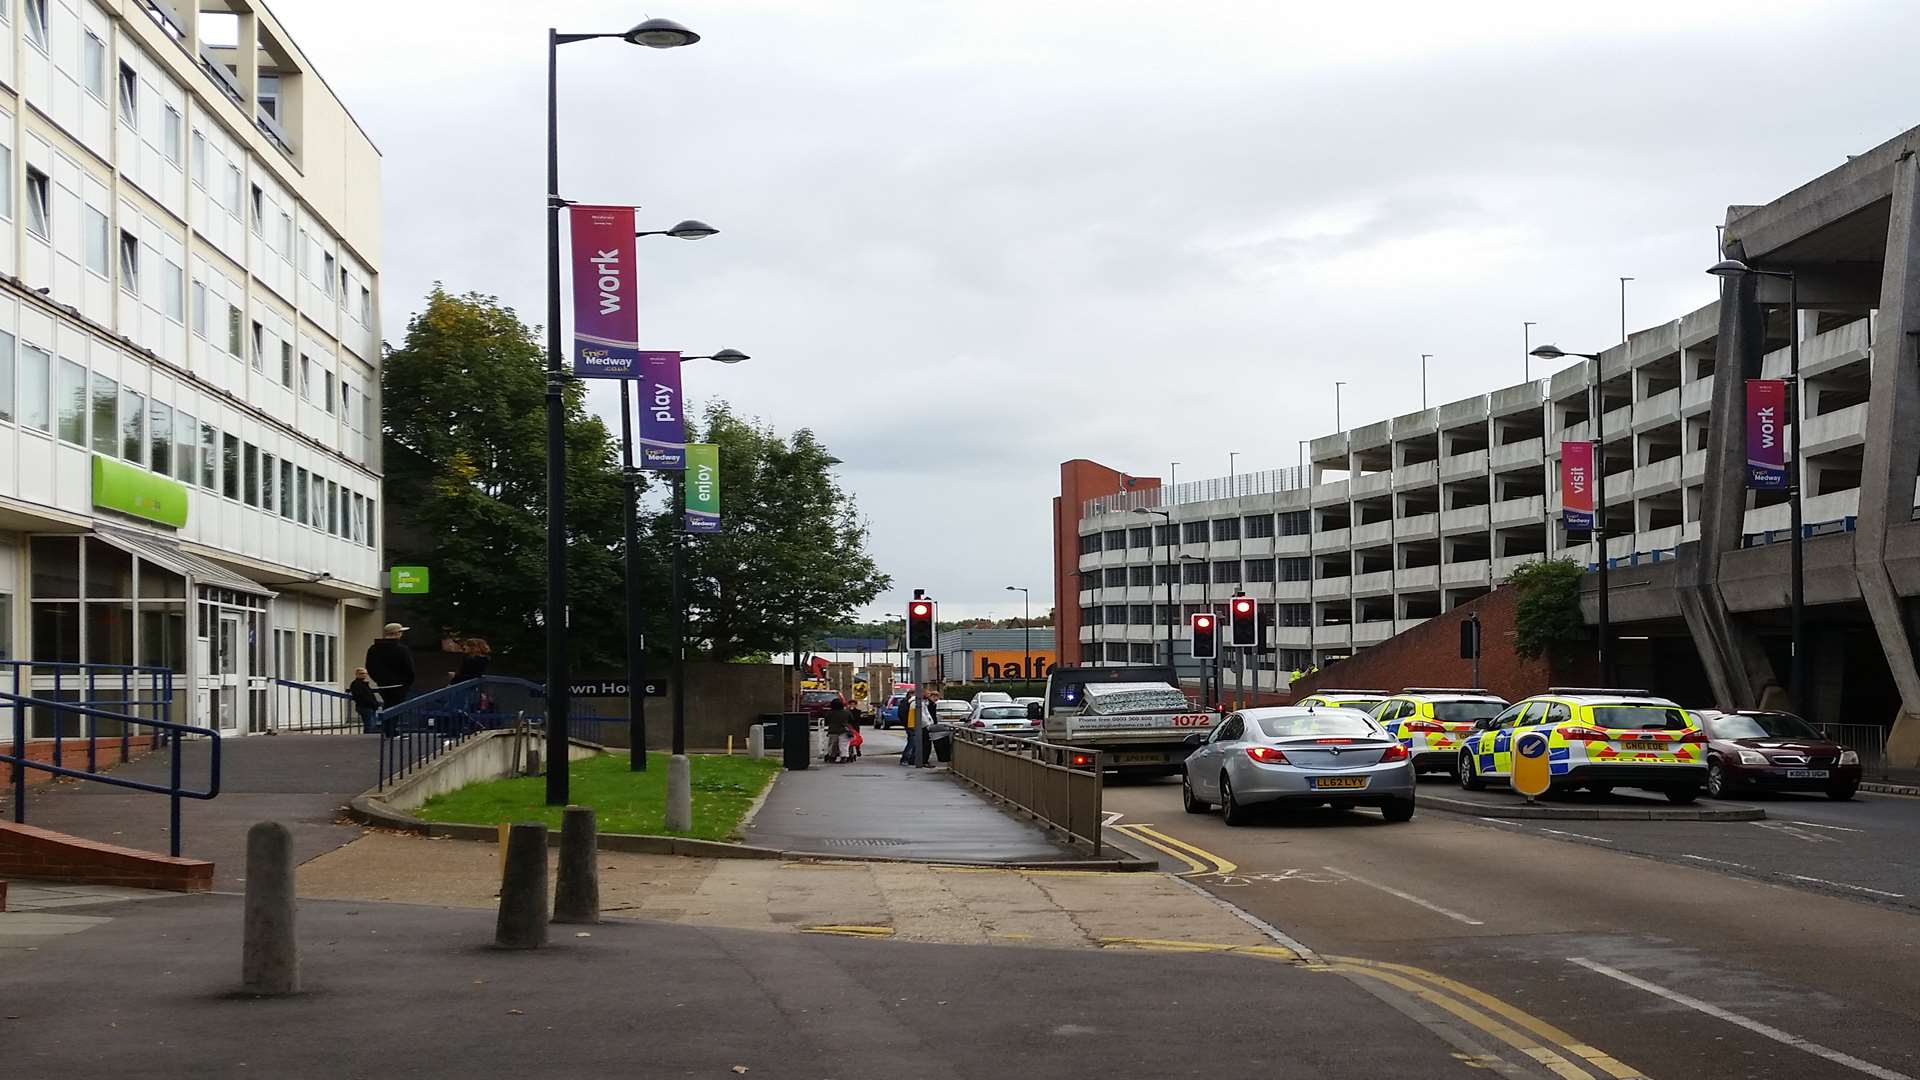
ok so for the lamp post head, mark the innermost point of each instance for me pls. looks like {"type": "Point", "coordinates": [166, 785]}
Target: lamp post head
{"type": "Point", "coordinates": [660, 34]}
{"type": "Point", "coordinates": [1548, 352]}
{"type": "Point", "coordinates": [1729, 268]}
{"type": "Point", "coordinates": [729, 356]}
{"type": "Point", "coordinates": [692, 230]}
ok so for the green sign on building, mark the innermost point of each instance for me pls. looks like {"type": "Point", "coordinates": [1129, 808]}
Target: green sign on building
{"type": "Point", "coordinates": [138, 493]}
{"type": "Point", "coordinates": [407, 579]}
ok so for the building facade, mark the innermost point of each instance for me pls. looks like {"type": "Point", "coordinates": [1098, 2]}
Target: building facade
{"type": "Point", "coordinates": [189, 380]}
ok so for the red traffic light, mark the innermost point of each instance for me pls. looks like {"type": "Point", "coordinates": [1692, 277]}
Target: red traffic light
{"type": "Point", "coordinates": [1202, 621]}
{"type": "Point", "coordinates": [1243, 606]}
{"type": "Point", "coordinates": [921, 609]}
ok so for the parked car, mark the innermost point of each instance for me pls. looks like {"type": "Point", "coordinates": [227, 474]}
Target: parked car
{"type": "Point", "coordinates": [1301, 756]}
{"type": "Point", "coordinates": [950, 711]}
{"type": "Point", "coordinates": [1598, 739]}
{"type": "Point", "coordinates": [890, 711]}
{"type": "Point", "coordinates": [992, 697]}
{"type": "Point", "coordinates": [1432, 721]}
{"type": "Point", "coordinates": [815, 703]}
{"type": "Point", "coordinates": [1774, 751]}
{"type": "Point", "coordinates": [1003, 718]}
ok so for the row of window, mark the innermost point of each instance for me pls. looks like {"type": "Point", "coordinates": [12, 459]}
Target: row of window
{"type": "Point", "coordinates": [1218, 572]}
{"type": "Point", "coordinates": [317, 659]}
{"type": "Point", "coordinates": [1285, 615]}
{"type": "Point", "coordinates": [95, 412]}
{"type": "Point", "coordinates": [1250, 527]}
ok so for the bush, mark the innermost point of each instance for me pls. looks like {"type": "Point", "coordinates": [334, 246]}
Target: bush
{"type": "Point", "coordinates": [1547, 611]}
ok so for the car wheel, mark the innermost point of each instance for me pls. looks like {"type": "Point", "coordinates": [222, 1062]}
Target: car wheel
{"type": "Point", "coordinates": [1719, 784]}
{"type": "Point", "coordinates": [1682, 795]}
{"type": "Point", "coordinates": [1468, 777]}
{"type": "Point", "coordinates": [1841, 794]}
{"type": "Point", "coordinates": [1398, 810]}
{"type": "Point", "coordinates": [1187, 800]}
{"type": "Point", "coordinates": [1231, 811]}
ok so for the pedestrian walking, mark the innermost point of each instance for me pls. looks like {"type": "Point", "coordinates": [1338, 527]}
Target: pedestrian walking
{"type": "Point", "coordinates": [390, 665]}
{"type": "Point", "coordinates": [839, 720]}
{"type": "Point", "coordinates": [364, 699]}
{"type": "Point", "coordinates": [854, 716]}
{"type": "Point", "coordinates": [931, 716]}
{"type": "Point", "coordinates": [910, 712]}
{"type": "Point", "coordinates": [476, 659]}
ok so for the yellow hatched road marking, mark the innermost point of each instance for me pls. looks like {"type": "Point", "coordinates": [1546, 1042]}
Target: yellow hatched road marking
{"type": "Point", "coordinates": [1208, 863]}
{"type": "Point", "coordinates": [1553, 1062]}
{"type": "Point", "coordinates": [1164, 849]}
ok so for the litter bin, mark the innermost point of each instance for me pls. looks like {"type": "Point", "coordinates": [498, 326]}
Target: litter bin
{"type": "Point", "coordinates": [795, 745]}
{"type": "Point", "coordinates": [942, 744]}
{"type": "Point", "coordinates": [770, 730]}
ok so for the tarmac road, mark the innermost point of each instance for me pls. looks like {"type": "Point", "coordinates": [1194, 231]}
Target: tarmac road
{"type": "Point", "coordinates": [1663, 969]}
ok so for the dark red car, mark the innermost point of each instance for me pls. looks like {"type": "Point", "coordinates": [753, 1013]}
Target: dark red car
{"type": "Point", "coordinates": [815, 703]}
{"type": "Point", "coordinates": [1774, 751]}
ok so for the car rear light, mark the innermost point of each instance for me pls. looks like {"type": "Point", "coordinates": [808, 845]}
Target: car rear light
{"type": "Point", "coordinates": [1082, 759]}
{"type": "Point", "coordinates": [1266, 755]}
{"type": "Point", "coordinates": [1587, 733]}
{"type": "Point", "coordinates": [1334, 742]}
{"type": "Point", "coordinates": [1422, 725]}
{"type": "Point", "coordinates": [1694, 737]}
{"type": "Point", "coordinates": [1396, 752]}
{"type": "Point", "coordinates": [977, 723]}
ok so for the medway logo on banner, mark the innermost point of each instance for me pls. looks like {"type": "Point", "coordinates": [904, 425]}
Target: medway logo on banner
{"type": "Point", "coordinates": [663, 431]}
{"type": "Point", "coordinates": [1766, 449]}
{"type": "Point", "coordinates": [606, 325]}
{"type": "Point", "coordinates": [1576, 486]}
{"type": "Point", "coordinates": [703, 488]}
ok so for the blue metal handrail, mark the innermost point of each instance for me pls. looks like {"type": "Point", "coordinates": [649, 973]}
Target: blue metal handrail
{"type": "Point", "coordinates": [130, 678]}
{"type": "Point", "coordinates": [421, 728]}
{"type": "Point", "coordinates": [17, 757]}
{"type": "Point", "coordinates": [335, 709]}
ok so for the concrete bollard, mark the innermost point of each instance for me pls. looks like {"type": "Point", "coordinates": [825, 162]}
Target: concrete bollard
{"type": "Point", "coordinates": [679, 794]}
{"type": "Point", "coordinates": [522, 923]}
{"type": "Point", "coordinates": [576, 895]}
{"type": "Point", "coordinates": [757, 742]}
{"type": "Point", "coordinates": [269, 957]}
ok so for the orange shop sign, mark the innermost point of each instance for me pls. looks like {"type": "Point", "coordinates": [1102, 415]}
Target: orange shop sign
{"type": "Point", "coordinates": [992, 664]}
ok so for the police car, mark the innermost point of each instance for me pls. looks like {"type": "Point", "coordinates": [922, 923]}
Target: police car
{"type": "Point", "coordinates": [1597, 739]}
{"type": "Point", "coordinates": [1364, 700]}
{"type": "Point", "coordinates": [1432, 722]}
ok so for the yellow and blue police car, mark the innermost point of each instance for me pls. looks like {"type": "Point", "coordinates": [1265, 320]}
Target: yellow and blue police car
{"type": "Point", "coordinates": [1364, 700]}
{"type": "Point", "coordinates": [1432, 722]}
{"type": "Point", "coordinates": [1597, 739]}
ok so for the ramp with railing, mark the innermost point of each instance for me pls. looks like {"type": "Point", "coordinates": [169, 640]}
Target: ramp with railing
{"type": "Point", "coordinates": [1060, 786]}
{"type": "Point", "coordinates": [421, 728]}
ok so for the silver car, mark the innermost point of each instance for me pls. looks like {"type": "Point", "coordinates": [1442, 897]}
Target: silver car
{"type": "Point", "coordinates": [1297, 755]}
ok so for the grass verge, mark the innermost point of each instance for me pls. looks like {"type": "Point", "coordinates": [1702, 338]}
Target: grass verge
{"type": "Point", "coordinates": [623, 801]}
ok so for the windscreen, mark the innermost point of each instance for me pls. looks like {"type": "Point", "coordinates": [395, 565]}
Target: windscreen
{"type": "Point", "coordinates": [1763, 726]}
{"type": "Point", "coordinates": [1644, 717]}
{"type": "Point", "coordinates": [1113, 699]}
{"type": "Point", "coordinates": [1318, 722]}
{"type": "Point", "coordinates": [818, 697]}
{"type": "Point", "coordinates": [1364, 704]}
{"type": "Point", "coordinates": [1466, 712]}
{"type": "Point", "coordinates": [1004, 712]}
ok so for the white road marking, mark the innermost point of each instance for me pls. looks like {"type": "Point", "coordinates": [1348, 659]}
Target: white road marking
{"type": "Point", "coordinates": [1407, 896]}
{"type": "Point", "coordinates": [1110, 817]}
{"type": "Point", "coordinates": [1582, 836]}
{"type": "Point", "coordinates": [1783, 827]}
{"type": "Point", "coordinates": [1286, 940]}
{"type": "Point", "coordinates": [1737, 1020]}
{"type": "Point", "coordinates": [1717, 862]}
{"type": "Point", "coordinates": [1817, 825]}
{"type": "Point", "coordinates": [1844, 885]}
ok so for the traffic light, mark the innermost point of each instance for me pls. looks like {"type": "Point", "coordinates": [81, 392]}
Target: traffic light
{"type": "Point", "coordinates": [920, 630]}
{"type": "Point", "coordinates": [1243, 624]}
{"type": "Point", "coordinates": [1206, 632]}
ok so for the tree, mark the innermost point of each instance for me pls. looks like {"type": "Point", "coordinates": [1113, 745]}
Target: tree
{"type": "Point", "coordinates": [1547, 610]}
{"type": "Point", "coordinates": [791, 558]}
{"type": "Point", "coordinates": [464, 404]}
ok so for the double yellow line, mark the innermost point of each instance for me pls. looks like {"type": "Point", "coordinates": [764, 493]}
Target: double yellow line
{"type": "Point", "coordinates": [1198, 860]}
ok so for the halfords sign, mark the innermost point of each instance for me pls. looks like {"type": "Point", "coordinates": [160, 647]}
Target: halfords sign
{"type": "Point", "coordinates": [992, 664]}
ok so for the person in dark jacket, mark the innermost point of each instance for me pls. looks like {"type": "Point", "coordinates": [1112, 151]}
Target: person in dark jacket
{"type": "Point", "coordinates": [839, 730]}
{"type": "Point", "coordinates": [364, 699]}
{"type": "Point", "coordinates": [478, 657]}
{"type": "Point", "coordinates": [390, 664]}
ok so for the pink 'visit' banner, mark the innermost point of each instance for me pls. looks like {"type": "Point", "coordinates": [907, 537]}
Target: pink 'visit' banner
{"type": "Point", "coordinates": [1576, 486]}
{"type": "Point", "coordinates": [606, 324]}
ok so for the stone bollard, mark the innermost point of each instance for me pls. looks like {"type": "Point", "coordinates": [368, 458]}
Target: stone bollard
{"type": "Point", "coordinates": [757, 742]}
{"type": "Point", "coordinates": [522, 923]}
{"type": "Point", "coordinates": [679, 794]}
{"type": "Point", "coordinates": [269, 958]}
{"type": "Point", "coordinates": [576, 895]}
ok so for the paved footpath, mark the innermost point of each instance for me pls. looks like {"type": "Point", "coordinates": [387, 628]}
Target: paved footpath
{"type": "Point", "coordinates": [302, 781]}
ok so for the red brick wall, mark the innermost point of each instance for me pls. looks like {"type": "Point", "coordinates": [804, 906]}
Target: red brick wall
{"type": "Point", "coordinates": [73, 755]}
{"type": "Point", "coordinates": [1080, 480]}
{"type": "Point", "coordinates": [44, 855]}
{"type": "Point", "coordinates": [1429, 655]}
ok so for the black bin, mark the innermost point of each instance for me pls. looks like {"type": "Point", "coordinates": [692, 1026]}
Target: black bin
{"type": "Point", "coordinates": [795, 746]}
{"type": "Point", "coordinates": [769, 724]}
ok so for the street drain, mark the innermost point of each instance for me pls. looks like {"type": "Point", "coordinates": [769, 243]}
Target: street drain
{"type": "Point", "coordinates": [865, 841]}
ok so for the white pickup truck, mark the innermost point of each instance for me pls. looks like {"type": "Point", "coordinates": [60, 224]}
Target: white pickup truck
{"type": "Point", "coordinates": [1137, 717]}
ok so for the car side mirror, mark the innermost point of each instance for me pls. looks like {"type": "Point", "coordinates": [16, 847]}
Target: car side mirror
{"type": "Point", "coordinates": [1035, 711]}
{"type": "Point", "coordinates": [1197, 739]}
{"type": "Point", "coordinates": [1481, 724]}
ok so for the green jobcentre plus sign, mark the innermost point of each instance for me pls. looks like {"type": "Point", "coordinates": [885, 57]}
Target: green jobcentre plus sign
{"type": "Point", "coordinates": [407, 579]}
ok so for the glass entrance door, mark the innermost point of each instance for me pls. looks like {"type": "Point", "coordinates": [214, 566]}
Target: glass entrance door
{"type": "Point", "coordinates": [229, 665]}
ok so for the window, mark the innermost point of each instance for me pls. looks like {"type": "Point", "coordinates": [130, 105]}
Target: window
{"type": "Point", "coordinates": [232, 202]}
{"type": "Point", "coordinates": [6, 189]}
{"type": "Point", "coordinates": [366, 305]}
{"type": "Point", "coordinates": [1300, 569]}
{"type": "Point", "coordinates": [171, 287]}
{"type": "Point", "coordinates": [184, 426]}
{"type": "Point", "coordinates": [170, 134]}
{"type": "Point", "coordinates": [286, 234]}
{"type": "Point", "coordinates": [1257, 525]}
{"type": "Point", "coordinates": [199, 159]}
{"type": "Point", "coordinates": [266, 482]}
{"type": "Point", "coordinates": [1193, 532]}
{"type": "Point", "coordinates": [209, 458]}
{"type": "Point", "coordinates": [373, 520]}
{"type": "Point", "coordinates": [251, 492]}
{"type": "Point", "coordinates": [230, 462]}
{"type": "Point", "coordinates": [1296, 522]}
{"type": "Point", "coordinates": [129, 96]}
{"type": "Point", "coordinates": [133, 425]}
{"type": "Point", "coordinates": [1140, 536]}
{"type": "Point", "coordinates": [6, 376]}
{"type": "Point", "coordinates": [39, 216]}
{"type": "Point", "coordinates": [160, 447]}
{"type": "Point", "coordinates": [1226, 571]}
{"type": "Point", "coordinates": [306, 378]}
{"type": "Point", "coordinates": [93, 65]}
{"type": "Point", "coordinates": [1115, 578]}
{"type": "Point", "coordinates": [1163, 535]}
{"type": "Point", "coordinates": [95, 240]}
{"type": "Point", "coordinates": [73, 402]}
{"type": "Point", "coordinates": [327, 389]}
{"type": "Point", "coordinates": [359, 518]}
{"type": "Point", "coordinates": [286, 489]}
{"type": "Point", "coordinates": [300, 496]}
{"type": "Point", "coordinates": [1140, 575]}
{"type": "Point", "coordinates": [259, 347]}
{"type": "Point", "coordinates": [286, 364]}
{"type": "Point", "coordinates": [36, 376]}
{"type": "Point", "coordinates": [106, 415]}
{"type": "Point", "coordinates": [346, 512]}
{"type": "Point", "coordinates": [1259, 569]}
{"type": "Point", "coordinates": [1226, 529]}
{"type": "Point", "coordinates": [37, 23]}
{"type": "Point", "coordinates": [1090, 544]}
{"type": "Point", "coordinates": [326, 271]}
{"type": "Point", "coordinates": [1193, 573]}
{"type": "Point", "coordinates": [129, 263]}
{"type": "Point", "coordinates": [259, 209]}
{"type": "Point", "coordinates": [234, 320]}
{"type": "Point", "coordinates": [200, 308]}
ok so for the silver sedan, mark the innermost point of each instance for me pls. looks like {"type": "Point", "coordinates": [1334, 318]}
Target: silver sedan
{"type": "Point", "coordinates": [1303, 756]}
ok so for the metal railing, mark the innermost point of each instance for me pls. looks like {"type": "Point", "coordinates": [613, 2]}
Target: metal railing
{"type": "Point", "coordinates": [420, 729]}
{"type": "Point", "coordinates": [112, 688]}
{"type": "Point", "coordinates": [1061, 786]}
{"type": "Point", "coordinates": [1260, 482]}
{"type": "Point", "coordinates": [1868, 740]}
{"type": "Point", "coordinates": [306, 709]}
{"type": "Point", "coordinates": [90, 717]}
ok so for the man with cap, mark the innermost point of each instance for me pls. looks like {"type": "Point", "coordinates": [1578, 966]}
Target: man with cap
{"type": "Point", "coordinates": [390, 664]}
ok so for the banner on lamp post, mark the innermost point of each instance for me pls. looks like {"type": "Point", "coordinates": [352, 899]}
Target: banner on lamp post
{"type": "Point", "coordinates": [1766, 446]}
{"type": "Point", "coordinates": [606, 325]}
{"type": "Point", "coordinates": [663, 427]}
{"type": "Point", "coordinates": [703, 488]}
{"type": "Point", "coordinates": [1576, 486]}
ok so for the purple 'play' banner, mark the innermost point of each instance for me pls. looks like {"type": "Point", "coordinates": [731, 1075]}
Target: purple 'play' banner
{"type": "Point", "coordinates": [663, 428]}
{"type": "Point", "coordinates": [1766, 438]}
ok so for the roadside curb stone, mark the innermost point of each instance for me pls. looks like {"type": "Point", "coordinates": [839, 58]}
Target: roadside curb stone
{"type": "Point", "coordinates": [1552, 812]}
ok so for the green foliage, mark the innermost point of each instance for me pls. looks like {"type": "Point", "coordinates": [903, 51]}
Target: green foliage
{"type": "Point", "coordinates": [623, 801]}
{"type": "Point", "coordinates": [464, 403]}
{"type": "Point", "coordinates": [1547, 611]}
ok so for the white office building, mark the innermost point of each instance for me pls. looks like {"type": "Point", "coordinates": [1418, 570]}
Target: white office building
{"type": "Point", "coordinates": [189, 382]}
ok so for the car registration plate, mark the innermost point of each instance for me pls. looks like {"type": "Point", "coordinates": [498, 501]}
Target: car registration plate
{"type": "Point", "coordinates": [1643, 744]}
{"type": "Point", "coordinates": [1806, 774]}
{"type": "Point", "coordinates": [1138, 759]}
{"type": "Point", "coordinates": [1322, 783]}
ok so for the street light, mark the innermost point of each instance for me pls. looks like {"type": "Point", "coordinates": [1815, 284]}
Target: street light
{"type": "Point", "coordinates": [1594, 403]}
{"type": "Point", "coordinates": [1733, 268]}
{"type": "Point", "coordinates": [655, 34]}
{"type": "Point", "coordinates": [686, 230]}
{"type": "Point", "coordinates": [724, 356]}
{"type": "Point", "coordinates": [1171, 612]}
{"type": "Point", "coordinates": [1026, 598]}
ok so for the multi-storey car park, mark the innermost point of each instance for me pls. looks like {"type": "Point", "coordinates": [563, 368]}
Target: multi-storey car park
{"type": "Point", "coordinates": [189, 386]}
{"type": "Point", "coordinates": [1385, 526]}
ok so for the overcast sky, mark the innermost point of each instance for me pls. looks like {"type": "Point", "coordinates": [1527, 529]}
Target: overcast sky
{"type": "Point", "coordinates": [966, 241]}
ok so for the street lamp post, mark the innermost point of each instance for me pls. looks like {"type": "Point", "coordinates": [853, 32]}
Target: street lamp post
{"type": "Point", "coordinates": [1595, 402]}
{"type": "Point", "coordinates": [1026, 600]}
{"type": "Point", "coordinates": [1336, 405]}
{"type": "Point", "coordinates": [1731, 268]}
{"type": "Point", "coordinates": [1171, 611]}
{"type": "Point", "coordinates": [1424, 357]}
{"type": "Point", "coordinates": [1206, 601]}
{"type": "Point", "coordinates": [655, 34]}
{"type": "Point", "coordinates": [1526, 351]}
